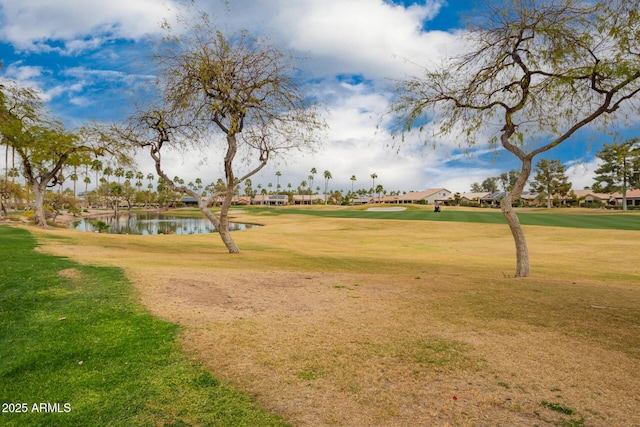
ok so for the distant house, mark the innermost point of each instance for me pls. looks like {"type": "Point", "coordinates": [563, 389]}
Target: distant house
{"type": "Point", "coordinates": [531, 198]}
{"type": "Point", "coordinates": [188, 201]}
{"type": "Point", "coordinates": [362, 200]}
{"type": "Point", "coordinates": [468, 198]}
{"type": "Point", "coordinates": [429, 197]}
{"type": "Point", "coordinates": [241, 200]}
{"type": "Point", "coordinates": [307, 199]}
{"type": "Point", "coordinates": [633, 198]}
{"type": "Point", "coordinates": [271, 199]}
{"type": "Point", "coordinates": [493, 199]}
{"type": "Point", "coordinates": [587, 197]}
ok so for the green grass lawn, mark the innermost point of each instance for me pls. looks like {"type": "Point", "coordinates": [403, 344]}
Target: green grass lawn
{"type": "Point", "coordinates": [76, 349]}
{"type": "Point", "coordinates": [552, 218]}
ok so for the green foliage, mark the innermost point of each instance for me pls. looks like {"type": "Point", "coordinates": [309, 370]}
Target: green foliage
{"type": "Point", "coordinates": [490, 185]}
{"type": "Point", "coordinates": [620, 168]}
{"type": "Point", "coordinates": [44, 146]}
{"type": "Point", "coordinates": [307, 375]}
{"type": "Point", "coordinates": [75, 335]}
{"type": "Point", "coordinates": [48, 213]}
{"type": "Point", "coordinates": [99, 226]}
{"type": "Point", "coordinates": [557, 407]}
{"type": "Point", "coordinates": [550, 180]}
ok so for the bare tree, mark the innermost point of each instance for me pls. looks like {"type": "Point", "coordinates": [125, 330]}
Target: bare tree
{"type": "Point", "coordinates": [535, 72]}
{"type": "Point", "coordinates": [238, 86]}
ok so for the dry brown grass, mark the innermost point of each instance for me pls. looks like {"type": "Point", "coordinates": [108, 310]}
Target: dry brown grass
{"type": "Point", "coordinates": [339, 322]}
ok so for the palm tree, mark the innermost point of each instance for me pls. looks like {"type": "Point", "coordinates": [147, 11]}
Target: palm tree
{"type": "Point", "coordinates": [248, 190]}
{"type": "Point", "coordinates": [139, 177]}
{"type": "Point", "coordinates": [311, 178]}
{"type": "Point", "coordinates": [128, 175]}
{"type": "Point", "coordinates": [96, 166]}
{"type": "Point", "coordinates": [278, 175]}
{"type": "Point", "coordinates": [74, 178]}
{"type": "Point", "coordinates": [108, 171]}
{"type": "Point", "coordinates": [327, 177]}
{"type": "Point", "coordinates": [373, 177]}
{"type": "Point", "coordinates": [303, 184]}
{"type": "Point", "coordinates": [86, 181]}
{"type": "Point", "coordinates": [119, 173]}
{"type": "Point", "coordinates": [353, 180]}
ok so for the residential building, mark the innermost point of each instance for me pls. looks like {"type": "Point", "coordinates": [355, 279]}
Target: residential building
{"type": "Point", "coordinates": [271, 199]}
{"type": "Point", "coordinates": [530, 198]}
{"type": "Point", "coordinates": [633, 198]}
{"type": "Point", "coordinates": [472, 198]}
{"type": "Point", "coordinates": [307, 199]}
{"type": "Point", "coordinates": [587, 197]}
{"type": "Point", "coordinates": [429, 197]}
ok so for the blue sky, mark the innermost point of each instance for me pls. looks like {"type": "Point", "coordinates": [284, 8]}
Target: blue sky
{"type": "Point", "coordinates": [87, 56]}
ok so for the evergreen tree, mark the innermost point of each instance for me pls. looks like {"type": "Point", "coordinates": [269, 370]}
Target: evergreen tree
{"type": "Point", "coordinates": [490, 185]}
{"type": "Point", "coordinates": [551, 179]}
{"type": "Point", "coordinates": [620, 170]}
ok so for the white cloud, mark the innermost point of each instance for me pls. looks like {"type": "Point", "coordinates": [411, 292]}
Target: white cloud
{"type": "Point", "coordinates": [357, 146]}
{"type": "Point", "coordinates": [360, 36]}
{"type": "Point", "coordinates": [23, 73]}
{"type": "Point", "coordinates": [373, 39]}
{"type": "Point", "coordinates": [581, 174]}
{"type": "Point", "coordinates": [40, 25]}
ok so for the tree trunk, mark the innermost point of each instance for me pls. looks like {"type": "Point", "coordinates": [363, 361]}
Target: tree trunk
{"type": "Point", "coordinates": [223, 229]}
{"type": "Point", "coordinates": [38, 206]}
{"type": "Point", "coordinates": [523, 268]}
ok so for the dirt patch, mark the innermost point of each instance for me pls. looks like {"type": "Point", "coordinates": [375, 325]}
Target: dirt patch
{"type": "Point", "coordinates": [320, 349]}
{"type": "Point", "coordinates": [70, 273]}
{"type": "Point", "coordinates": [358, 350]}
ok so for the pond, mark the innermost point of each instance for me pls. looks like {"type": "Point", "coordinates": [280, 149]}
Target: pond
{"type": "Point", "coordinates": [147, 223]}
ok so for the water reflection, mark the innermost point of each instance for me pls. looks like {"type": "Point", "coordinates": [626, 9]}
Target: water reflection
{"type": "Point", "coordinates": [147, 223]}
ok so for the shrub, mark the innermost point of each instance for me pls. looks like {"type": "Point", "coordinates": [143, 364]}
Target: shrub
{"type": "Point", "coordinates": [48, 213]}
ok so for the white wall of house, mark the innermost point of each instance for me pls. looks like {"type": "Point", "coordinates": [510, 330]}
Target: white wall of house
{"type": "Point", "coordinates": [440, 196]}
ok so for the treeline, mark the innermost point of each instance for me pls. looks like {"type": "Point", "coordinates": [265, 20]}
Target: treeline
{"type": "Point", "coordinates": [618, 172]}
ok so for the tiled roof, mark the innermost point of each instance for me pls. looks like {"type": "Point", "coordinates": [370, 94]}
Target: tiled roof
{"type": "Point", "coordinates": [419, 195]}
{"type": "Point", "coordinates": [631, 194]}
{"type": "Point", "coordinates": [586, 193]}
{"type": "Point", "coordinates": [471, 196]}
